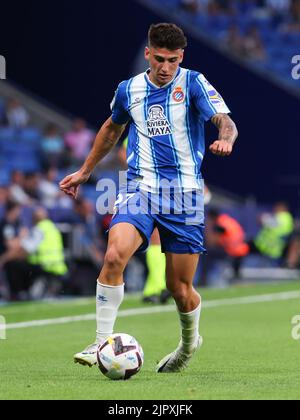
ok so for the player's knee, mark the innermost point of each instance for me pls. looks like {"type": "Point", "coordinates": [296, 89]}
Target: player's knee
{"type": "Point", "coordinates": [114, 259]}
{"type": "Point", "coordinates": [180, 291]}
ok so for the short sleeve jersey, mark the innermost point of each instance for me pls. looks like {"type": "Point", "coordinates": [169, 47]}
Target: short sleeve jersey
{"type": "Point", "coordinates": [166, 136]}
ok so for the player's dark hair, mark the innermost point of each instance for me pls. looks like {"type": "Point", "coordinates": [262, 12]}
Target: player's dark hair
{"type": "Point", "coordinates": [167, 35]}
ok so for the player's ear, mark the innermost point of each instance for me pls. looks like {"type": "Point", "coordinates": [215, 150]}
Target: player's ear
{"type": "Point", "coordinates": [181, 57]}
{"type": "Point", "coordinates": [147, 53]}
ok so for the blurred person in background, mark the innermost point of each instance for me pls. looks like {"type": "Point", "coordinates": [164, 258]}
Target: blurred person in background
{"type": "Point", "coordinates": [293, 22]}
{"type": "Point", "coordinates": [17, 189]}
{"type": "Point", "coordinates": [37, 253]}
{"type": "Point", "coordinates": [276, 230]}
{"type": "Point", "coordinates": [90, 229]}
{"type": "Point", "coordinates": [10, 232]}
{"type": "Point", "coordinates": [53, 148]}
{"type": "Point", "coordinates": [88, 247]}
{"type": "Point", "coordinates": [79, 140]}
{"type": "Point", "coordinates": [253, 47]}
{"type": "Point", "coordinates": [16, 114]}
{"type": "Point", "coordinates": [195, 6]}
{"type": "Point", "coordinates": [4, 195]}
{"type": "Point", "coordinates": [49, 192]}
{"type": "Point", "coordinates": [278, 10]}
{"type": "Point", "coordinates": [221, 7]}
{"type": "Point", "coordinates": [31, 186]}
{"type": "Point", "coordinates": [234, 40]}
{"type": "Point", "coordinates": [225, 239]}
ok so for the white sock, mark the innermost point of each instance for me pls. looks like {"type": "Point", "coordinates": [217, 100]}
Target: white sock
{"type": "Point", "coordinates": [108, 301]}
{"type": "Point", "coordinates": [190, 329]}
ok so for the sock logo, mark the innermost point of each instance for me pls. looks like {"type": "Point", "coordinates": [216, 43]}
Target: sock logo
{"type": "Point", "coordinates": [102, 298]}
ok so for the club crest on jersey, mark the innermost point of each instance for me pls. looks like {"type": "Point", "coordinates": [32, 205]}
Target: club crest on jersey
{"type": "Point", "coordinates": [178, 95]}
{"type": "Point", "coordinates": [157, 123]}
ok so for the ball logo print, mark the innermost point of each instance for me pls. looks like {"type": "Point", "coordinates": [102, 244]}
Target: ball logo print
{"type": "Point", "coordinates": [2, 328]}
{"type": "Point", "coordinates": [120, 357]}
{"type": "Point", "coordinates": [296, 68]}
{"type": "Point", "coordinates": [2, 68]}
{"type": "Point", "coordinates": [296, 329]}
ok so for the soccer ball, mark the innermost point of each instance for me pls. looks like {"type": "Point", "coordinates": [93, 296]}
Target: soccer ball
{"type": "Point", "coordinates": [120, 357]}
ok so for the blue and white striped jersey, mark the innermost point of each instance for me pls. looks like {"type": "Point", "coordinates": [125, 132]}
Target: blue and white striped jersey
{"type": "Point", "coordinates": [166, 135]}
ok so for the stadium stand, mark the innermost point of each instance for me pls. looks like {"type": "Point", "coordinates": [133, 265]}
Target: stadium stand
{"type": "Point", "coordinates": [264, 34]}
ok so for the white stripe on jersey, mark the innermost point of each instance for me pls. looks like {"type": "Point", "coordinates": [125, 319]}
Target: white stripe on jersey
{"type": "Point", "coordinates": [138, 96]}
{"type": "Point", "coordinates": [184, 151]}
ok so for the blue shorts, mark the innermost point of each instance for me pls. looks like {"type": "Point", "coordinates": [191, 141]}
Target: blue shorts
{"type": "Point", "coordinates": [179, 217]}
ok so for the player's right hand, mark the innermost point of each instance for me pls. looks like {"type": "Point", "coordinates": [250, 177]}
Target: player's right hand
{"type": "Point", "coordinates": [71, 183]}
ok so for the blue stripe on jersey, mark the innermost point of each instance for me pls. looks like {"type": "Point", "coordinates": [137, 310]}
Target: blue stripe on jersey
{"type": "Point", "coordinates": [128, 95]}
{"type": "Point", "coordinates": [129, 149]}
{"type": "Point", "coordinates": [206, 95]}
{"type": "Point", "coordinates": [188, 126]}
{"type": "Point", "coordinates": [168, 114]}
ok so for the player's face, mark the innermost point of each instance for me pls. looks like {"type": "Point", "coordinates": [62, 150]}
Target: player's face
{"type": "Point", "coordinates": [163, 64]}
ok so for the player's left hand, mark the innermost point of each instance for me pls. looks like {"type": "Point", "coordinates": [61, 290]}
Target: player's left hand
{"type": "Point", "coordinates": [221, 148]}
{"type": "Point", "coordinates": [71, 183]}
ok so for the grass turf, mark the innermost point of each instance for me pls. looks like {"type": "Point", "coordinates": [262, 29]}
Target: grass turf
{"type": "Point", "coordinates": [248, 352]}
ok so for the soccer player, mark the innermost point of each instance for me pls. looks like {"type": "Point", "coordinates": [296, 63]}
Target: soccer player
{"type": "Point", "coordinates": [166, 108]}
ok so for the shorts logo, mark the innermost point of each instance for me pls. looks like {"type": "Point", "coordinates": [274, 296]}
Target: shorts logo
{"type": "Point", "coordinates": [157, 123]}
{"type": "Point", "coordinates": [178, 95]}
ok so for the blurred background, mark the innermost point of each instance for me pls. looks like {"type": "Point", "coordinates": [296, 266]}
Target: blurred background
{"type": "Point", "coordinates": [64, 61]}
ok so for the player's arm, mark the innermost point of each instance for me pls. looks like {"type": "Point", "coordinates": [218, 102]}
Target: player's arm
{"type": "Point", "coordinates": [228, 134]}
{"type": "Point", "coordinates": [106, 139]}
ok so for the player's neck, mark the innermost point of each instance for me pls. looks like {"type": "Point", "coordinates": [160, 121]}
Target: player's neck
{"type": "Point", "coordinates": [155, 82]}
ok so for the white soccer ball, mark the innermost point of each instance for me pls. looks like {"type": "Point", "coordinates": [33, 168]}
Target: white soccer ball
{"type": "Point", "coordinates": [120, 357]}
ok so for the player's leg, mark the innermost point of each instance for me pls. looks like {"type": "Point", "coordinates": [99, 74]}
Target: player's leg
{"type": "Point", "coordinates": [124, 240]}
{"type": "Point", "coordinates": [181, 269]}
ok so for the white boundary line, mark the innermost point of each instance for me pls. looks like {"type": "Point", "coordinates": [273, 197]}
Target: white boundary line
{"type": "Point", "coordinates": [275, 297]}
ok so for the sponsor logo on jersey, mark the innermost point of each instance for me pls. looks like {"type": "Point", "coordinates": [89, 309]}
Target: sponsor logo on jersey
{"type": "Point", "coordinates": [157, 123]}
{"type": "Point", "coordinates": [178, 95]}
{"type": "Point", "coordinates": [215, 97]}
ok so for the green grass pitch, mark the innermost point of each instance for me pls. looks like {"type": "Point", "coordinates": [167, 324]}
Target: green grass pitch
{"type": "Point", "coordinates": [248, 351]}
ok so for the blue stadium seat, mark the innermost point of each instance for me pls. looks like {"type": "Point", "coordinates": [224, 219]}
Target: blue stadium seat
{"type": "Point", "coordinates": [220, 23]}
{"type": "Point", "coordinates": [7, 134]}
{"type": "Point", "coordinates": [61, 215]}
{"type": "Point", "coordinates": [29, 135]}
{"type": "Point", "coordinates": [4, 176]}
